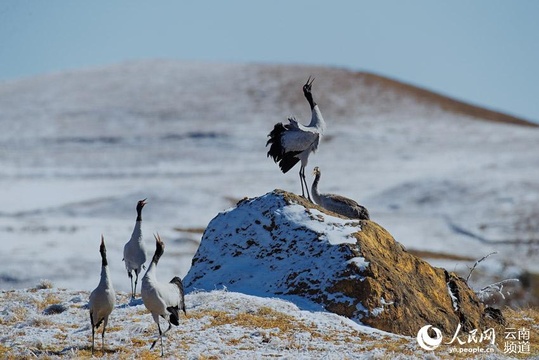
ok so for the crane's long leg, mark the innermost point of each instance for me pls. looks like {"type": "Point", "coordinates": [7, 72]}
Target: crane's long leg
{"type": "Point", "coordinates": [155, 341]}
{"type": "Point", "coordinates": [301, 181]}
{"type": "Point", "coordinates": [169, 326]}
{"type": "Point", "coordinates": [304, 181]}
{"type": "Point", "coordinates": [131, 278]}
{"type": "Point", "coordinates": [105, 321]}
{"type": "Point", "coordinates": [136, 280]}
{"type": "Point", "coordinates": [93, 332]}
{"type": "Point", "coordinates": [161, 336]}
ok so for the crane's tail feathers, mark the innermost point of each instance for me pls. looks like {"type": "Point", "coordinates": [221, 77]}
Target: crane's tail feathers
{"type": "Point", "coordinates": [174, 316]}
{"type": "Point", "coordinates": [275, 139]}
{"type": "Point", "coordinates": [98, 323]}
{"type": "Point", "coordinates": [288, 161]}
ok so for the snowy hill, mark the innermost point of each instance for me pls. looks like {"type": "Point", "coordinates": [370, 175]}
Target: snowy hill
{"type": "Point", "coordinates": [80, 148]}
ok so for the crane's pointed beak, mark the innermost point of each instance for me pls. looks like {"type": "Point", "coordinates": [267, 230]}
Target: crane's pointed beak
{"type": "Point", "coordinates": [102, 247]}
{"type": "Point", "coordinates": [158, 239]}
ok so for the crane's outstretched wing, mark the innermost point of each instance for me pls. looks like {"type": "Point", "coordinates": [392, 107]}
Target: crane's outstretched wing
{"type": "Point", "coordinates": [288, 141]}
{"type": "Point", "coordinates": [299, 140]}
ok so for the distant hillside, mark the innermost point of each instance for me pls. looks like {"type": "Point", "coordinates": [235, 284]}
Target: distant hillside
{"type": "Point", "coordinates": [444, 102]}
{"type": "Point", "coordinates": [175, 90]}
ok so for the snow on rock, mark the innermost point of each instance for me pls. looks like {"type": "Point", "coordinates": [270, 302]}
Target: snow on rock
{"type": "Point", "coordinates": [271, 246]}
{"type": "Point", "coordinates": [281, 245]}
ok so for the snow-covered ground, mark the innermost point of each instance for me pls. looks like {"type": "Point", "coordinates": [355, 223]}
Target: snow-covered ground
{"type": "Point", "coordinates": [79, 149]}
{"type": "Point", "coordinates": [54, 323]}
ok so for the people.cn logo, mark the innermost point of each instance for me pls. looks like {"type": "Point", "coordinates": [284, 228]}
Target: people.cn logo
{"type": "Point", "coordinates": [425, 341]}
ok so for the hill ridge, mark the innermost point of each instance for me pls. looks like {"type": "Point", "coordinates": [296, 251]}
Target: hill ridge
{"type": "Point", "coordinates": [446, 102]}
{"type": "Point", "coordinates": [277, 82]}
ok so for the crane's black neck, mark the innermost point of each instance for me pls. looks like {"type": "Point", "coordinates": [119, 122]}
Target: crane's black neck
{"type": "Point", "coordinates": [103, 252]}
{"type": "Point", "coordinates": [140, 205]}
{"type": "Point", "coordinates": [309, 97]}
{"type": "Point", "coordinates": [159, 250]}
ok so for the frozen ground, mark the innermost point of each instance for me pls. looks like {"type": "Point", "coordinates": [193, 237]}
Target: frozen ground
{"type": "Point", "coordinates": [54, 323]}
{"type": "Point", "coordinates": [79, 149]}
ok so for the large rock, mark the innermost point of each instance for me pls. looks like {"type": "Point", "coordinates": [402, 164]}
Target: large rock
{"type": "Point", "coordinates": [281, 245]}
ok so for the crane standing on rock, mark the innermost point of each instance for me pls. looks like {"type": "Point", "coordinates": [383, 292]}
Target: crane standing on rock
{"type": "Point", "coordinates": [102, 299]}
{"type": "Point", "coordinates": [135, 251]}
{"type": "Point", "coordinates": [337, 203]}
{"type": "Point", "coordinates": [162, 299]}
{"type": "Point", "coordinates": [293, 142]}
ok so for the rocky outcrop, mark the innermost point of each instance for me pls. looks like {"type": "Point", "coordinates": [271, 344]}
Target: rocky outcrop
{"type": "Point", "coordinates": [281, 245]}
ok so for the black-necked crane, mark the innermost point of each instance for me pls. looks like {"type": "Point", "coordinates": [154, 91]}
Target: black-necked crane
{"type": "Point", "coordinates": [294, 142]}
{"type": "Point", "coordinates": [162, 299]}
{"type": "Point", "coordinates": [337, 203]}
{"type": "Point", "coordinates": [102, 298]}
{"type": "Point", "coordinates": [135, 251]}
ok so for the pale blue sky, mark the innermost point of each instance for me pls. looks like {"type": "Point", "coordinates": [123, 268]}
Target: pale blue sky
{"type": "Point", "coordinates": [481, 51]}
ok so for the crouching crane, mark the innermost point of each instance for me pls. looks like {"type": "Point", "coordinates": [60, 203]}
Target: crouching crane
{"type": "Point", "coordinates": [337, 203]}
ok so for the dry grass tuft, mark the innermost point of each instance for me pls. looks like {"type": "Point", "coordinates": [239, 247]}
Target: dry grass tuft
{"type": "Point", "coordinates": [208, 357]}
{"type": "Point", "coordinates": [148, 355]}
{"type": "Point", "coordinates": [5, 353]}
{"type": "Point", "coordinates": [44, 284]}
{"type": "Point", "coordinates": [48, 300]}
{"type": "Point", "coordinates": [17, 314]}
{"type": "Point", "coordinates": [391, 346]}
{"type": "Point", "coordinates": [263, 318]}
{"type": "Point", "coordinates": [138, 342]}
{"type": "Point", "coordinates": [40, 322]}
{"type": "Point", "coordinates": [113, 328]}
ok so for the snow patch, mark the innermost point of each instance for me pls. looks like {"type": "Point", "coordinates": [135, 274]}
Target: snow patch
{"type": "Point", "coordinates": [360, 262]}
{"type": "Point", "coordinates": [454, 299]}
{"type": "Point", "coordinates": [336, 230]}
